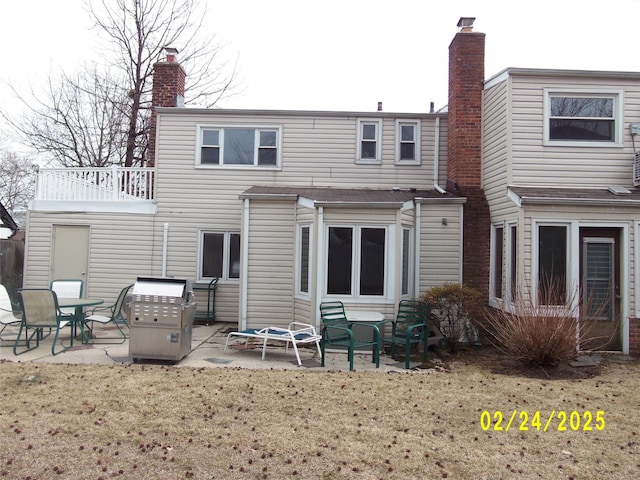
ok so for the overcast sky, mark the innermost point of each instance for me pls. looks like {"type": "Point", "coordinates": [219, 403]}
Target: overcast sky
{"type": "Point", "coordinates": [346, 54]}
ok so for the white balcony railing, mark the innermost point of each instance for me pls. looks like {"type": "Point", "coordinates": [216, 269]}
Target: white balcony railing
{"type": "Point", "coordinates": [103, 184]}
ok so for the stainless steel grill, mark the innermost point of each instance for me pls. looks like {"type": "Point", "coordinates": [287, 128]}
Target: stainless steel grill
{"type": "Point", "coordinates": [161, 312]}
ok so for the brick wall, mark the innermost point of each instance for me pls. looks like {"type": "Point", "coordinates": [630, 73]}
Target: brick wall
{"type": "Point", "coordinates": [168, 84]}
{"type": "Point", "coordinates": [466, 77]}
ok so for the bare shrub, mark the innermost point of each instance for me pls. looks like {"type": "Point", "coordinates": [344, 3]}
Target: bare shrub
{"type": "Point", "coordinates": [454, 310]}
{"type": "Point", "coordinates": [543, 335]}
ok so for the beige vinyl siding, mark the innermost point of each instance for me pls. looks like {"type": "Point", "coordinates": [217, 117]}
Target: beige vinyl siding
{"type": "Point", "coordinates": [535, 164]}
{"type": "Point", "coordinates": [496, 151]}
{"type": "Point", "coordinates": [302, 312]}
{"type": "Point", "coordinates": [315, 152]}
{"type": "Point", "coordinates": [440, 245]}
{"type": "Point", "coordinates": [120, 250]}
{"type": "Point", "coordinates": [270, 279]}
{"type": "Point", "coordinates": [362, 216]}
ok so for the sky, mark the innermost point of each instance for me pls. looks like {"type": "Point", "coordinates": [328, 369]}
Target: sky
{"type": "Point", "coordinates": [343, 54]}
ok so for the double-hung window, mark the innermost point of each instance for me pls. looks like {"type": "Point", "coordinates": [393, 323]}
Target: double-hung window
{"type": "Point", "coordinates": [583, 118]}
{"type": "Point", "coordinates": [369, 141]}
{"type": "Point", "coordinates": [239, 146]}
{"type": "Point", "coordinates": [219, 255]}
{"type": "Point", "coordinates": [408, 142]}
{"type": "Point", "coordinates": [356, 261]}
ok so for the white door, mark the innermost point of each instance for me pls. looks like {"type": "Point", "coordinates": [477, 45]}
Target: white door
{"type": "Point", "coordinates": [70, 252]}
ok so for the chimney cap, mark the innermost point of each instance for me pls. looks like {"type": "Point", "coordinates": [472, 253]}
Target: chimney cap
{"type": "Point", "coordinates": [171, 53]}
{"type": "Point", "coordinates": [466, 23]}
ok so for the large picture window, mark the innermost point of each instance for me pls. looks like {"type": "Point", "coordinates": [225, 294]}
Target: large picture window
{"type": "Point", "coordinates": [239, 147]}
{"type": "Point", "coordinates": [219, 255]}
{"type": "Point", "coordinates": [356, 261]}
{"type": "Point", "coordinates": [552, 264]}
{"type": "Point", "coordinates": [581, 117]}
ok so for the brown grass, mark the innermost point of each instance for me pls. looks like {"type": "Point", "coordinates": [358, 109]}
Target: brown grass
{"type": "Point", "coordinates": [150, 422]}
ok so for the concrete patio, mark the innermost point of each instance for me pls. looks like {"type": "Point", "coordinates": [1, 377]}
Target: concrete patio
{"type": "Point", "coordinates": [207, 351]}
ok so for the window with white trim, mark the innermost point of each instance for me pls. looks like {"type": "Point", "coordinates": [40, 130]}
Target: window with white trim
{"type": "Point", "coordinates": [583, 118]}
{"type": "Point", "coordinates": [303, 259]}
{"type": "Point", "coordinates": [219, 255]}
{"type": "Point", "coordinates": [408, 142]}
{"type": "Point", "coordinates": [356, 261]}
{"type": "Point", "coordinates": [553, 257]}
{"type": "Point", "coordinates": [238, 147]}
{"type": "Point", "coordinates": [497, 260]}
{"type": "Point", "coordinates": [512, 261]}
{"type": "Point", "coordinates": [407, 263]}
{"type": "Point", "coordinates": [369, 141]}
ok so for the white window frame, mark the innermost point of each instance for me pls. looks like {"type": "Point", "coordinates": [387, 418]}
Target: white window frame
{"type": "Point", "coordinates": [416, 141]}
{"type": "Point", "coordinates": [571, 276]}
{"type": "Point", "coordinates": [618, 103]}
{"type": "Point", "coordinates": [221, 134]}
{"type": "Point", "coordinates": [378, 124]}
{"type": "Point", "coordinates": [494, 300]}
{"type": "Point", "coordinates": [509, 264]}
{"type": "Point", "coordinates": [298, 261]}
{"type": "Point", "coordinates": [411, 266]}
{"type": "Point", "coordinates": [356, 262]}
{"type": "Point", "coordinates": [226, 250]}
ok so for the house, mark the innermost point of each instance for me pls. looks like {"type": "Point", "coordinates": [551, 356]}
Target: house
{"type": "Point", "coordinates": [528, 175]}
{"type": "Point", "coordinates": [8, 227]}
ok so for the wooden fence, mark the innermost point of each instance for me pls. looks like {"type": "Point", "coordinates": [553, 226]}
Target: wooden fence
{"type": "Point", "coordinates": [11, 263]}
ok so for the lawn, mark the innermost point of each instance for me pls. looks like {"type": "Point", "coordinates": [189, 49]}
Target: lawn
{"type": "Point", "coordinates": [164, 422]}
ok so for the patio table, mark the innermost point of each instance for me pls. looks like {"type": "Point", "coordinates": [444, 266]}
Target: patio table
{"type": "Point", "coordinates": [78, 304]}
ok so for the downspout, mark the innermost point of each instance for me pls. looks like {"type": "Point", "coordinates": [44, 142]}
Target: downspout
{"type": "Point", "coordinates": [244, 265]}
{"type": "Point", "coordinates": [436, 159]}
{"type": "Point", "coordinates": [165, 248]}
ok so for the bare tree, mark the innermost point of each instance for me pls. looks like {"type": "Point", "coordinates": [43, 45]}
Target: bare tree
{"type": "Point", "coordinates": [138, 31]}
{"type": "Point", "coordinates": [17, 184]}
{"type": "Point", "coordinates": [101, 115]}
{"type": "Point", "coordinates": [75, 121]}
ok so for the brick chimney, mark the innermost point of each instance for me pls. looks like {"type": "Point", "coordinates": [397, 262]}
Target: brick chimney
{"type": "Point", "coordinates": [466, 77]}
{"type": "Point", "coordinates": [167, 91]}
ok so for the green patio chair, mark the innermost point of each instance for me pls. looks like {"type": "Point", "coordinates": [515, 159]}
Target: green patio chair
{"type": "Point", "coordinates": [39, 311]}
{"type": "Point", "coordinates": [336, 330]}
{"type": "Point", "coordinates": [112, 313]}
{"type": "Point", "coordinates": [409, 328]}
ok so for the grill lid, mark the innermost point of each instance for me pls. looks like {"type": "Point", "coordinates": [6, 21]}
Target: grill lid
{"type": "Point", "coordinates": [161, 286]}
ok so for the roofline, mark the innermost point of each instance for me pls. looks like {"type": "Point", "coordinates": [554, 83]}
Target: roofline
{"type": "Point", "coordinates": [534, 200]}
{"type": "Point", "coordinates": [296, 113]}
{"type": "Point", "coordinates": [549, 72]}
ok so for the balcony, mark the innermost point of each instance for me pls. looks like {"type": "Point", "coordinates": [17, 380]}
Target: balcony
{"type": "Point", "coordinates": [115, 189]}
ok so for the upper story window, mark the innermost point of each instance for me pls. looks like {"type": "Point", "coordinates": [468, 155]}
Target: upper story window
{"type": "Point", "coordinates": [583, 118]}
{"type": "Point", "coordinates": [408, 142]}
{"type": "Point", "coordinates": [369, 141]}
{"type": "Point", "coordinates": [239, 146]}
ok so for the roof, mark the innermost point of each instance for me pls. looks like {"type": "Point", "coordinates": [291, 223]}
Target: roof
{"type": "Point", "coordinates": [6, 220]}
{"type": "Point", "coordinates": [301, 113]}
{"type": "Point", "coordinates": [347, 197]}
{"type": "Point", "coordinates": [575, 196]}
